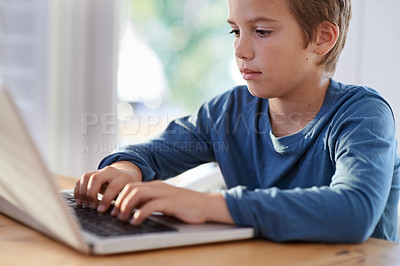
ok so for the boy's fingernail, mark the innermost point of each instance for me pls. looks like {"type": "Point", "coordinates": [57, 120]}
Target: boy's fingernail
{"type": "Point", "coordinates": [101, 208]}
{"type": "Point", "coordinates": [135, 216]}
{"type": "Point", "coordinates": [78, 201]}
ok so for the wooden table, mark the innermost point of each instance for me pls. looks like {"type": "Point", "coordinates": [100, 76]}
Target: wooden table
{"type": "Point", "coordinates": [20, 245]}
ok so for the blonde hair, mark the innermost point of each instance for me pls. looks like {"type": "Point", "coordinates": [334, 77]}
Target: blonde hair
{"type": "Point", "coordinates": [311, 13]}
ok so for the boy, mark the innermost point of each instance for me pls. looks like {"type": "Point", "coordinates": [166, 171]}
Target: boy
{"type": "Point", "coordinates": [307, 159]}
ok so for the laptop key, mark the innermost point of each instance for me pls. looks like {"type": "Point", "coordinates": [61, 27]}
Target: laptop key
{"type": "Point", "coordinates": [104, 224]}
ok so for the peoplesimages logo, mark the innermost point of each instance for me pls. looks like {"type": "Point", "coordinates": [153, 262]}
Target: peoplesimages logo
{"type": "Point", "coordinates": [112, 124]}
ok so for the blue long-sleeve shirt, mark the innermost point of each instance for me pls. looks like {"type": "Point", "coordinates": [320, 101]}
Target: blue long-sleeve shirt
{"type": "Point", "coordinates": [336, 180]}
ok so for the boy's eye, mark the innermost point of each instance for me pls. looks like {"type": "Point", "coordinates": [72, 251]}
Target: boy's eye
{"type": "Point", "coordinates": [235, 32]}
{"type": "Point", "coordinates": [263, 33]}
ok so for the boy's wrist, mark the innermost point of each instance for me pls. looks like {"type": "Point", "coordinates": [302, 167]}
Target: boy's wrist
{"type": "Point", "coordinates": [217, 209]}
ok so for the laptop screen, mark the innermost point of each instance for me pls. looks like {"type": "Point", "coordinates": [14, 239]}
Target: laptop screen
{"type": "Point", "coordinates": [27, 190]}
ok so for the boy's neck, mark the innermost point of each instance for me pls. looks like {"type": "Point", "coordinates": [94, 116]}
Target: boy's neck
{"type": "Point", "coordinates": [290, 115]}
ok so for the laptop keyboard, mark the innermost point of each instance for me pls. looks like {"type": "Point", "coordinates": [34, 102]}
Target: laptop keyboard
{"type": "Point", "coordinates": [104, 224]}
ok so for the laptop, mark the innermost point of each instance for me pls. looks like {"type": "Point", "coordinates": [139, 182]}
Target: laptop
{"type": "Point", "coordinates": [29, 194]}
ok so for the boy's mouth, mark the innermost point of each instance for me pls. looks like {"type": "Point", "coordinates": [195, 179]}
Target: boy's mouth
{"type": "Point", "coordinates": [249, 74]}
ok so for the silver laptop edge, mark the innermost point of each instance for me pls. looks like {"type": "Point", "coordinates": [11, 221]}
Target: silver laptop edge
{"type": "Point", "coordinates": [27, 189]}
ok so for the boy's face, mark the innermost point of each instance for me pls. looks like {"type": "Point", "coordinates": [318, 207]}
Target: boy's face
{"type": "Point", "coordinates": [269, 48]}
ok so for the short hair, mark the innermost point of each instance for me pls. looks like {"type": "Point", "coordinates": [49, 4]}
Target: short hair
{"type": "Point", "coordinates": [311, 13]}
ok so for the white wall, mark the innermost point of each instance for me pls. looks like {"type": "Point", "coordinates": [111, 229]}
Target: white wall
{"type": "Point", "coordinates": [82, 79]}
{"type": "Point", "coordinates": [371, 56]}
{"type": "Point", "coordinates": [23, 61]}
{"type": "Point", "coordinates": [58, 59]}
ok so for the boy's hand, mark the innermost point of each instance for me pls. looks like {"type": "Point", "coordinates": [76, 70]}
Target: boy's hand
{"type": "Point", "coordinates": [186, 205]}
{"type": "Point", "coordinates": [108, 181]}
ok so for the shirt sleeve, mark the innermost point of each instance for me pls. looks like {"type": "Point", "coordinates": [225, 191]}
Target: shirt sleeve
{"type": "Point", "coordinates": [180, 147]}
{"type": "Point", "coordinates": [363, 148]}
{"type": "Point", "coordinates": [186, 143]}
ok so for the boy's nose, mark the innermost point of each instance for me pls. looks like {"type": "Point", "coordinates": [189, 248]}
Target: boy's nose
{"type": "Point", "coordinates": [243, 49]}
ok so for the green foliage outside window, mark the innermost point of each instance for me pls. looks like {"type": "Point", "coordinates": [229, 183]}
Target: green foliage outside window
{"type": "Point", "coordinates": [191, 39]}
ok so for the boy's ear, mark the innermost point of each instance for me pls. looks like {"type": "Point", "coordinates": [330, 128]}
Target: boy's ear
{"type": "Point", "coordinates": [327, 37]}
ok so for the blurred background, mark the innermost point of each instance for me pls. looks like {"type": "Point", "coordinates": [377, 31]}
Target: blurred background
{"type": "Point", "coordinates": [91, 76]}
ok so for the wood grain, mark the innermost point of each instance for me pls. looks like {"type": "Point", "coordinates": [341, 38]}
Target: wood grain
{"type": "Point", "coordinates": [20, 245]}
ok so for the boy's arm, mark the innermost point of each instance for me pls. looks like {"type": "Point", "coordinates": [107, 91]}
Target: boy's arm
{"type": "Point", "coordinates": [182, 146]}
{"type": "Point", "coordinates": [348, 210]}
{"type": "Point", "coordinates": [179, 148]}
{"type": "Point", "coordinates": [185, 143]}
{"type": "Point", "coordinates": [121, 181]}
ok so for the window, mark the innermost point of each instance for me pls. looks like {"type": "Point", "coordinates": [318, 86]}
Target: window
{"type": "Point", "coordinates": [173, 56]}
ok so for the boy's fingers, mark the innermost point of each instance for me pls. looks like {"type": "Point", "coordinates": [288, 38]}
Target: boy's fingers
{"type": "Point", "coordinates": [81, 192]}
{"type": "Point", "coordinates": [134, 196]}
{"type": "Point", "coordinates": [125, 191]}
{"type": "Point", "coordinates": [146, 210]}
{"type": "Point", "coordinates": [94, 185]}
{"type": "Point", "coordinates": [128, 199]}
{"type": "Point", "coordinates": [76, 193]}
{"type": "Point", "coordinates": [108, 181]}
{"type": "Point", "coordinates": [111, 192]}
